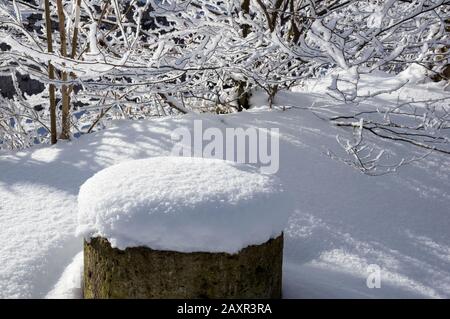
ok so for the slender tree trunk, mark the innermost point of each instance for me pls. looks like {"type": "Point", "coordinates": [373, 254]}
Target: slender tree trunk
{"type": "Point", "coordinates": [294, 32]}
{"type": "Point", "coordinates": [243, 95]}
{"type": "Point", "coordinates": [446, 70]}
{"type": "Point", "coordinates": [51, 75]}
{"type": "Point", "coordinates": [74, 44]}
{"type": "Point", "coordinates": [75, 29]}
{"type": "Point", "coordinates": [65, 114]}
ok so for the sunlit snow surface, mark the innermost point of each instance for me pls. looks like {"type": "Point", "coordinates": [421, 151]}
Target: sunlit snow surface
{"type": "Point", "coordinates": [343, 222]}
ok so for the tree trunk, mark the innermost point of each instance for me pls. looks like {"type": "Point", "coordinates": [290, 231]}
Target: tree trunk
{"type": "Point", "coordinates": [74, 44]}
{"type": "Point", "coordinates": [65, 114]}
{"type": "Point", "coordinates": [294, 32]}
{"type": "Point", "coordinates": [243, 95]}
{"type": "Point", "coordinates": [445, 73]}
{"type": "Point", "coordinates": [141, 272]}
{"type": "Point", "coordinates": [51, 75]}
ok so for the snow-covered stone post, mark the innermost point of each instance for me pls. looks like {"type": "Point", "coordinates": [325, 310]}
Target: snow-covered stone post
{"type": "Point", "coordinates": [177, 227]}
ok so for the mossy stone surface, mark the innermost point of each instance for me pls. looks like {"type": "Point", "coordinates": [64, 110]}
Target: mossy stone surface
{"type": "Point", "coordinates": [140, 272]}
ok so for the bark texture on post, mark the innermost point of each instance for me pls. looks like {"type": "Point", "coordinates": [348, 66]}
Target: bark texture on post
{"type": "Point", "coordinates": [254, 272]}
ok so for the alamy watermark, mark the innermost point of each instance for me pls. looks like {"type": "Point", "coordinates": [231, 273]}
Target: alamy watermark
{"type": "Point", "coordinates": [374, 278]}
{"type": "Point", "coordinates": [260, 146]}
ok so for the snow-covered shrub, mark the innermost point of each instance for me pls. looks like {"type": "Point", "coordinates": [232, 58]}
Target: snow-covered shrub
{"type": "Point", "coordinates": [134, 59]}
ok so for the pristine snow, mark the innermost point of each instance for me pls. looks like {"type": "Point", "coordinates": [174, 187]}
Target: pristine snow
{"type": "Point", "coordinates": [344, 220]}
{"type": "Point", "coordinates": [69, 286]}
{"type": "Point", "coordinates": [183, 204]}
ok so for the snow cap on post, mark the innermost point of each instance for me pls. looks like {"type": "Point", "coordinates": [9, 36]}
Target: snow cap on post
{"type": "Point", "coordinates": [183, 204]}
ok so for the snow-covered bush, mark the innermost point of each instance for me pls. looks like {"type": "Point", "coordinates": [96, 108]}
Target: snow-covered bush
{"type": "Point", "coordinates": [102, 60]}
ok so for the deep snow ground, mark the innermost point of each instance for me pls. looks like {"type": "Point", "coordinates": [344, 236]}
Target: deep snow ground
{"type": "Point", "coordinates": [344, 220]}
